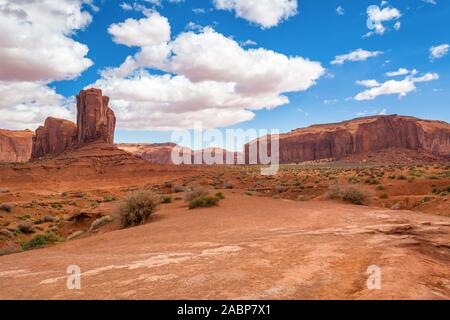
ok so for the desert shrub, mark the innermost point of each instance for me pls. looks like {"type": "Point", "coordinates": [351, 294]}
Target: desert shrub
{"type": "Point", "coordinates": [426, 199]}
{"type": "Point", "coordinates": [5, 207]}
{"type": "Point", "coordinates": [138, 206]}
{"type": "Point", "coordinates": [384, 196]}
{"type": "Point", "coordinates": [280, 189]}
{"type": "Point", "coordinates": [228, 185]}
{"type": "Point", "coordinates": [204, 202]}
{"type": "Point", "coordinates": [195, 191]}
{"type": "Point", "coordinates": [220, 195]}
{"type": "Point", "coordinates": [166, 199]}
{"type": "Point", "coordinates": [41, 240]}
{"type": "Point", "coordinates": [25, 228]}
{"type": "Point", "coordinates": [168, 184]}
{"type": "Point", "coordinates": [109, 198]}
{"type": "Point", "coordinates": [348, 194]}
{"type": "Point", "coordinates": [353, 180]}
{"type": "Point", "coordinates": [177, 188]}
{"type": "Point", "coordinates": [401, 177]}
{"type": "Point", "coordinates": [100, 222]}
{"type": "Point", "coordinates": [381, 187]}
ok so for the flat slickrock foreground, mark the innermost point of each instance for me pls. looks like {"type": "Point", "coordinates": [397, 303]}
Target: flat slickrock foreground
{"type": "Point", "coordinates": [247, 248]}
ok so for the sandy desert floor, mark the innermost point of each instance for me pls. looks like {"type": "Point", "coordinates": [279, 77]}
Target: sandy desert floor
{"type": "Point", "coordinates": [248, 248]}
{"type": "Point", "coordinates": [276, 237]}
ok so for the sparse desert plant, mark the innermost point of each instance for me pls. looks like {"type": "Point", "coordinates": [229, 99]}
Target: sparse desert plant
{"type": "Point", "coordinates": [228, 185]}
{"type": "Point", "coordinates": [384, 196]}
{"type": "Point", "coordinates": [381, 187]}
{"type": "Point", "coordinates": [220, 195]}
{"type": "Point", "coordinates": [138, 206]}
{"type": "Point", "coordinates": [5, 207]}
{"type": "Point", "coordinates": [204, 202]}
{"type": "Point", "coordinates": [195, 191]}
{"type": "Point", "coordinates": [100, 222]}
{"type": "Point", "coordinates": [348, 194]}
{"type": "Point", "coordinates": [41, 240]}
{"type": "Point", "coordinates": [25, 228]}
{"type": "Point", "coordinates": [177, 188]}
{"type": "Point", "coordinates": [108, 198]}
{"type": "Point", "coordinates": [280, 189]}
{"type": "Point", "coordinates": [166, 199]}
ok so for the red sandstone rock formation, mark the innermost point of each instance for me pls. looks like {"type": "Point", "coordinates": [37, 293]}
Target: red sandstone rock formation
{"type": "Point", "coordinates": [56, 136]}
{"type": "Point", "coordinates": [95, 123]}
{"type": "Point", "coordinates": [161, 153]}
{"type": "Point", "coordinates": [15, 146]}
{"type": "Point", "coordinates": [338, 140]}
{"type": "Point", "coordinates": [95, 120]}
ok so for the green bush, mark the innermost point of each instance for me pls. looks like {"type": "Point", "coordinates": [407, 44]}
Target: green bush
{"type": "Point", "coordinates": [204, 202]}
{"type": "Point", "coordinates": [220, 195]}
{"type": "Point", "coordinates": [138, 206]}
{"type": "Point", "coordinates": [166, 199]}
{"type": "Point", "coordinates": [41, 240]}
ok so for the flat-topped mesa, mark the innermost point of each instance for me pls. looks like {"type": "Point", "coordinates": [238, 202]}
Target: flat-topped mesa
{"type": "Point", "coordinates": [363, 135]}
{"type": "Point", "coordinates": [95, 120]}
{"type": "Point", "coordinates": [54, 137]}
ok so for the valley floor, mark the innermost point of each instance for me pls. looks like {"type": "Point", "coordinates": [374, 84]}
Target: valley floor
{"type": "Point", "coordinates": [247, 248]}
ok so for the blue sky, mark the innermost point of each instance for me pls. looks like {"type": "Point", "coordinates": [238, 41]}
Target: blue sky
{"type": "Point", "coordinates": [316, 30]}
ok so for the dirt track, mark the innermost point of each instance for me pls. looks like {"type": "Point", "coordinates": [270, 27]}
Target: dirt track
{"type": "Point", "coordinates": [248, 248]}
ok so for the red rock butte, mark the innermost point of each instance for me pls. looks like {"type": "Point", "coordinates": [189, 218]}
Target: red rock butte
{"type": "Point", "coordinates": [362, 135]}
{"type": "Point", "coordinates": [95, 122]}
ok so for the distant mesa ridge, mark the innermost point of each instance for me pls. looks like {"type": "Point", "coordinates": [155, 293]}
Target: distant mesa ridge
{"type": "Point", "coordinates": [362, 135]}
{"type": "Point", "coordinates": [95, 122]}
{"type": "Point", "coordinates": [389, 137]}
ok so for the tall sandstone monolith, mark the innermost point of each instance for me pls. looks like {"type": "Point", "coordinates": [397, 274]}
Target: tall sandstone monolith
{"type": "Point", "coordinates": [95, 122]}
{"type": "Point", "coordinates": [95, 119]}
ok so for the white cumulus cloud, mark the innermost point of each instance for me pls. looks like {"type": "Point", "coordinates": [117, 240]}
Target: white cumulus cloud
{"type": "Point", "coordinates": [439, 51]}
{"type": "Point", "coordinates": [357, 55]}
{"type": "Point", "coordinates": [399, 87]}
{"type": "Point", "coordinates": [208, 78]}
{"type": "Point", "coordinates": [37, 48]}
{"type": "Point", "coordinates": [265, 13]}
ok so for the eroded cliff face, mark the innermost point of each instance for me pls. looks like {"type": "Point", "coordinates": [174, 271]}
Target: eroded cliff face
{"type": "Point", "coordinates": [95, 120]}
{"type": "Point", "coordinates": [335, 141]}
{"type": "Point", "coordinates": [54, 137]}
{"type": "Point", "coordinates": [95, 123]}
{"type": "Point", "coordinates": [15, 146]}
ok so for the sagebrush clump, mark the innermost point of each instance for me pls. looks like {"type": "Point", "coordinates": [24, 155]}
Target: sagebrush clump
{"type": "Point", "coordinates": [138, 206]}
{"type": "Point", "coordinates": [195, 191]}
{"type": "Point", "coordinates": [348, 194]}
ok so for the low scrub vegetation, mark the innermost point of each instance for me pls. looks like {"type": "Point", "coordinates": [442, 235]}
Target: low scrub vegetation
{"type": "Point", "coordinates": [138, 206]}
{"type": "Point", "coordinates": [41, 240]}
{"type": "Point", "coordinates": [195, 191]}
{"type": "Point", "coordinates": [204, 202]}
{"type": "Point", "coordinates": [348, 194]}
{"type": "Point", "coordinates": [199, 197]}
{"type": "Point", "coordinates": [5, 207]}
